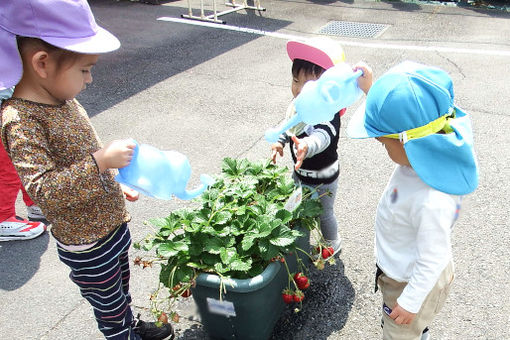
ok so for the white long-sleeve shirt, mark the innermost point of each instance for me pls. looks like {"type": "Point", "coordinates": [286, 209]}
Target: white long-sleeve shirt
{"type": "Point", "coordinates": [412, 234]}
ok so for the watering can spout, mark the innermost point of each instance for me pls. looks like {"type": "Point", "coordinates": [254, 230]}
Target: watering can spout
{"type": "Point", "coordinates": [273, 134]}
{"type": "Point", "coordinates": [190, 194]}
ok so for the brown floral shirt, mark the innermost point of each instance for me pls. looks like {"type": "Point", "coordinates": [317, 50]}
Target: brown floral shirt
{"type": "Point", "coordinates": [51, 147]}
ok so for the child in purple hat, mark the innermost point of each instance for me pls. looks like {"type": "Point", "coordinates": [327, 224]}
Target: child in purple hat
{"type": "Point", "coordinates": [48, 50]}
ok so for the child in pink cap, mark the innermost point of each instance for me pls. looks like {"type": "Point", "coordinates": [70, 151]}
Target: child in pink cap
{"type": "Point", "coordinates": [48, 50]}
{"type": "Point", "coordinates": [314, 148]}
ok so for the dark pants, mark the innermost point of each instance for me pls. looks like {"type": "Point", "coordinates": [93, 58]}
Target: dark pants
{"type": "Point", "coordinates": [102, 274]}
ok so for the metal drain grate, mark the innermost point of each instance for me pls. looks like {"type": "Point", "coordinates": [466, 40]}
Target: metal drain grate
{"type": "Point", "coordinates": [353, 29]}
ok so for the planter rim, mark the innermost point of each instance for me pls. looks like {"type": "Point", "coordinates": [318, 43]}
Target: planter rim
{"type": "Point", "coordinates": [241, 285]}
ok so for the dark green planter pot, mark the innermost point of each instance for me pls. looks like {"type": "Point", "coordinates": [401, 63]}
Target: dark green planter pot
{"type": "Point", "coordinates": [250, 308]}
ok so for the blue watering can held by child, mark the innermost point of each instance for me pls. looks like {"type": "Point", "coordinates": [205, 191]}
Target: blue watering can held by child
{"type": "Point", "coordinates": [160, 174]}
{"type": "Point", "coordinates": [319, 100]}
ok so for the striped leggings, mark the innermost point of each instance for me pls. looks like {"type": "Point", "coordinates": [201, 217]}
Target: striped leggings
{"type": "Point", "coordinates": [102, 274]}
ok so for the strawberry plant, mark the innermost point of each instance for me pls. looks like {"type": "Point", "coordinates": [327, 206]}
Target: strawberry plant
{"type": "Point", "coordinates": [240, 224]}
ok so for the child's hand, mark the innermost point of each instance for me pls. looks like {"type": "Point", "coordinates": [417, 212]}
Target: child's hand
{"type": "Point", "coordinates": [301, 151]}
{"type": "Point", "coordinates": [365, 81]}
{"type": "Point", "coordinates": [130, 194]}
{"type": "Point", "coordinates": [114, 155]}
{"type": "Point", "coordinates": [276, 148]}
{"type": "Point", "coordinates": [401, 316]}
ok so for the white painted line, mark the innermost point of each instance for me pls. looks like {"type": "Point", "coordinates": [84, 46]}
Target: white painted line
{"type": "Point", "coordinates": [343, 42]}
{"type": "Point", "coordinates": [231, 28]}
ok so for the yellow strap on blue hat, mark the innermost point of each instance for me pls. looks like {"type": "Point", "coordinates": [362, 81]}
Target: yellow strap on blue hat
{"type": "Point", "coordinates": [439, 124]}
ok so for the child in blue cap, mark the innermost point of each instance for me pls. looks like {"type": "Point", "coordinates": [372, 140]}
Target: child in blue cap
{"type": "Point", "coordinates": [410, 110]}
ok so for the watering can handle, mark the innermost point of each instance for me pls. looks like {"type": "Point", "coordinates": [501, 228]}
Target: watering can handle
{"type": "Point", "coordinates": [136, 149]}
{"type": "Point", "coordinates": [125, 170]}
{"type": "Point", "coordinates": [355, 75]}
{"type": "Point", "coordinates": [328, 86]}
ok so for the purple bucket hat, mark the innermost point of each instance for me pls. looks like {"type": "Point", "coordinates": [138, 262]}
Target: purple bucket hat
{"type": "Point", "coordinates": [67, 24]}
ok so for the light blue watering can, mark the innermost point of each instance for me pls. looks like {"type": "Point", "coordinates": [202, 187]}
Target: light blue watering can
{"type": "Point", "coordinates": [160, 174]}
{"type": "Point", "coordinates": [319, 100]}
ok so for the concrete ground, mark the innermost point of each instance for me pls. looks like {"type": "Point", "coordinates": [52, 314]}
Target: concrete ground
{"type": "Point", "coordinates": [211, 93]}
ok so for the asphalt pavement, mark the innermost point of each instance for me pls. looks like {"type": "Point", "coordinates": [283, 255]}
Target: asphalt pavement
{"type": "Point", "coordinates": [211, 92]}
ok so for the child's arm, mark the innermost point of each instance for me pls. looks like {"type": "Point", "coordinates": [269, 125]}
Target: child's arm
{"type": "Point", "coordinates": [433, 221]}
{"type": "Point", "coordinates": [301, 151]}
{"type": "Point", "coordinates": [365, 80]}
{"type": "Point", "coordinates": [117, 154]}
{"type": "Point", "coordinates": [114, 155]}
{"type": "Point", "coordinates": [319, 139]}
{"type": "Point", "coordinates": [284, 138]}
{"type": "Point", "coordinates": [401, 316]}
{"type": "Point", "coordinates": [276, 148]}
{"type": "Point", "coordinates": [130, 194]}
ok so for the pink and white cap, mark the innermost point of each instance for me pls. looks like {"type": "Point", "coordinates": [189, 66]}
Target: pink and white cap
{"type": "Point", "coordinates": [324, 52]}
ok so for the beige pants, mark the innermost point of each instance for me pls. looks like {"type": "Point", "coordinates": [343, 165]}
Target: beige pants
{"type": "Point", "coordinates": [433, 303]}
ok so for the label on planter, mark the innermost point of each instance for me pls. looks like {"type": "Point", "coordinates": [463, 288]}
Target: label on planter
{"type": "Point", "coordinates": [294, 199]}
{"type": "Point", "coordinates": [221, 307]}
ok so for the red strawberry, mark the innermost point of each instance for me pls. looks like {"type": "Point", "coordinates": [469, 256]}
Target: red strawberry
{"type": "Point", "coordinates": [301, 280]}
{"type": "Point", "coordinates": [186, 293]}
{"type": "Point", "coordinates": [163, 317]}
{"type": "Point", "coordinates": [327, 252]}
{"type": "Point", "coordinates": [298, 296]}
{"type": "Point", "coordinates": [177, 288]}
{"type": "Point", "coordinates": [287, 296]}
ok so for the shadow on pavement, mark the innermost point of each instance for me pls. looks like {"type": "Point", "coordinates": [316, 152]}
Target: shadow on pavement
{"type": "Point", "coordinates": [403, 5]}
{"type": "Point", "coordinates": [328, 2]}
{"type": "Point", "coordinates": [195, 332]}
{"type": "Point", "coordinates": [492, 8]}
{"type": "Point", "coordinates": [325, 308]}
{"type": "Point", "coordinates": [494, 12]}
{"type": "Point", "coordinates": [153, 51]}
{"type": "Point", "coordinates": [20, 260]}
